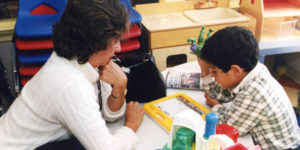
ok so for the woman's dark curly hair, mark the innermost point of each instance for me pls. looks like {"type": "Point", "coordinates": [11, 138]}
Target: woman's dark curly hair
{"type": "Point", "coordinates": [231, 46]}
{"type": "Point", "coordinates": [87, 26]}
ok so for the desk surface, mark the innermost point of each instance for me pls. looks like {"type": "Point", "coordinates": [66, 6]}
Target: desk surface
{"type": "Point", "coordinates": [152, 136]}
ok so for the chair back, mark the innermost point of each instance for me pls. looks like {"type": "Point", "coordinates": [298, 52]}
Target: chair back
{"type": "Point", "coordinates": [36, 17]}
{"type": "Point", "coordinates": [135, 17]}
{"type": "Point", "coordinates": [26, 6]}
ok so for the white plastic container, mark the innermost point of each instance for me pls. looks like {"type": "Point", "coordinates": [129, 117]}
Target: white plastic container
{"type": "Point", "coordinates": [189, 119]}
{"type": "Point", "coordinates": [298, 22]}
{"type": "Point", "coordinates": [286, 28]}
{"type": "Point", "coordinates": [278, 28]}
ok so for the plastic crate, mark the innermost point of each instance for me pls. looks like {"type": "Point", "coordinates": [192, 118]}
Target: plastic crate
{"type": "Point", "coordinates": [278, 28]}
{"type": "Point", "coordinates": [298, 22]}
{"type": "Point", "coordinates": [286, 28]}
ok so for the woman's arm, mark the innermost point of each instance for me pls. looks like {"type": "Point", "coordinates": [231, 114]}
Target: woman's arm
{"type": "Point", "coordinates": [114, 75]}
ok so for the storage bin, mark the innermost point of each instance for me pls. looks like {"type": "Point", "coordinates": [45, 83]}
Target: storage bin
{"type": "Point", "coordinates": [278, 28]}
{"type": "Point", "coordinates": [298, 22]}
{"type": "Point", "coordinates": [286, 28]}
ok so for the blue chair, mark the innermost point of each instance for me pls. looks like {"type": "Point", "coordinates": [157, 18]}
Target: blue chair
{"type": "Point", "coordinates": [299, 121]}
{"type": "Point", "coordinates": [33, 58]}
{"type": "Point", "coordinates": [135, 17]}
{"type": "Point", "coordinates": [33, 25]}
{"type": "Point", "coordinates": [298, 109]}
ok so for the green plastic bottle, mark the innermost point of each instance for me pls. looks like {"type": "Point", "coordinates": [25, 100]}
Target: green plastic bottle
{"type": "Point", "coordinates": [183, 139]}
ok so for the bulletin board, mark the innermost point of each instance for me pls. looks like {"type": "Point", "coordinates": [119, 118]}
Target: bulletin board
{"type": "Point", "coordinates": [165, 109]}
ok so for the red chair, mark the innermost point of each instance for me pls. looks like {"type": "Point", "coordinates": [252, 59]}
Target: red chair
{"type": "Point", "coordinates": [24, 80]}
{"type": "Point", "coordinates": [134, 31]}
{"type": "Point", "coordinates": [37, 44]}
{"type": "Point", "coordinates": [130, 45]}
{"type": "Point", "coordinates": [29, 70]}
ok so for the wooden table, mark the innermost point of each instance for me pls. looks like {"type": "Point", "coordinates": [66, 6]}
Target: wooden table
{"type": "Point", "coordinates": [152, 136]}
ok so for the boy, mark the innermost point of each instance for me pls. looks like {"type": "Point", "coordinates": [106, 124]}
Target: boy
{"type": "Point", "coordinates": [260, 106]}
{"type": "Point", "coordinates": [70, 98]}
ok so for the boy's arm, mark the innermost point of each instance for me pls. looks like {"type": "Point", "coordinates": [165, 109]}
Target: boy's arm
{"type": "Point", "coordinates": [215, 91]}
{"type": "Point", "coordinates": [210, 86]}
{"type": "Point", "coordinates": [243, 114]}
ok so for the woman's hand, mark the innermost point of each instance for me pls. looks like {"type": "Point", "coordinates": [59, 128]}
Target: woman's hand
{"type": "Point", "coordinates": [210, 101]}
{"type": "Point", "coordinates": [134, 115]}
{"type": "Point", "coordinates": [113, 74]}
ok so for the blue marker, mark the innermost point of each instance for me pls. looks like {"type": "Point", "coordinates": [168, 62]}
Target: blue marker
{"type": "Point", "coordinates": [210, 126]}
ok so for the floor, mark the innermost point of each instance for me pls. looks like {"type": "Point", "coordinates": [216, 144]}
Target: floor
{"type": "Point", "coordinates": [291, 88]}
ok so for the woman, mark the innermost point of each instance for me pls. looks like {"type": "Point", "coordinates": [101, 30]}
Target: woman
{"type": "Point", "coordinates": [62, 100]}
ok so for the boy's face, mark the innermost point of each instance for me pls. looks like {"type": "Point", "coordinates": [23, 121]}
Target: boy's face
{"type": "Point", "coordinates": [227, 79]}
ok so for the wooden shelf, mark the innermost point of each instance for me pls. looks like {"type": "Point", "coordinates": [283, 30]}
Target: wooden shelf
{"type": "Point", "coordinates": [7, 24]}
{"type": "Point", "coordinates": [7, 29]}
{"type": "Point", "coordinates": [262, 10]}
{"type": "Point", "coordinates": [167, 27]}
{"type": "Point", "coordinates": [172, 27]}
{"type": "Point", "coordinates": [280, 9]}
{"type": "Point", "coordinates": [270, 36]}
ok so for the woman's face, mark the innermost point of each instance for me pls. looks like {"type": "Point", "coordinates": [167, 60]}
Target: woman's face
{"type": "Point", "coordinates": [101, 58]}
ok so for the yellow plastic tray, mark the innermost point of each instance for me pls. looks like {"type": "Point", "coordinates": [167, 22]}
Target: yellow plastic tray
{"type": "Point", "coordinates": [163, 110]}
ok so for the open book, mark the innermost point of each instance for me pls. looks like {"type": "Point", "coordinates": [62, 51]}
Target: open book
{"type": "Point", "coordinates": [182, 79]}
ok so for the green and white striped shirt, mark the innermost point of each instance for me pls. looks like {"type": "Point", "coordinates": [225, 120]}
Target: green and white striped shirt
{"type": "Point", "coordinates": [260, 107]}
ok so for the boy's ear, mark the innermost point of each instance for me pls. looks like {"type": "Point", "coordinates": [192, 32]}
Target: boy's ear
{"type": "Point", "coordinates": [237, 69]}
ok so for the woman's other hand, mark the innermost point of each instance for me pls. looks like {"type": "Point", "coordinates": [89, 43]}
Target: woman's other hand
{"type": "Point", "coordinates": [134, 115]}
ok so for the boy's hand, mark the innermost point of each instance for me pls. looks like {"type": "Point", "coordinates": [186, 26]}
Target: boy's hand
{"type": "Point", "coordinates": [205, 67]}
{"type": "Point", "coordinates": [210, 101]}
{"type": "Point", "coordinates": [134, 115]}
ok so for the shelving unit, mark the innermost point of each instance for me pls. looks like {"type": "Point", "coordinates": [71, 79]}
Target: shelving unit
{"type": "Point", "coordinates": [265, 13]}
{"type": "Point", "coordinates": [265, 10]}
{"type": "Point", "coordinates": [167, 26]}
{"type": "Point", "coordinates": [6, 29]}
{"type": "Point", "coordinates": [280, 9]}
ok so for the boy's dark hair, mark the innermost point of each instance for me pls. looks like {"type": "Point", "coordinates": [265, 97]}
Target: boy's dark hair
{"type": "Point", "coordinates": [86, 26]}
{"type": "Point", "coordinates": [231, 46]}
